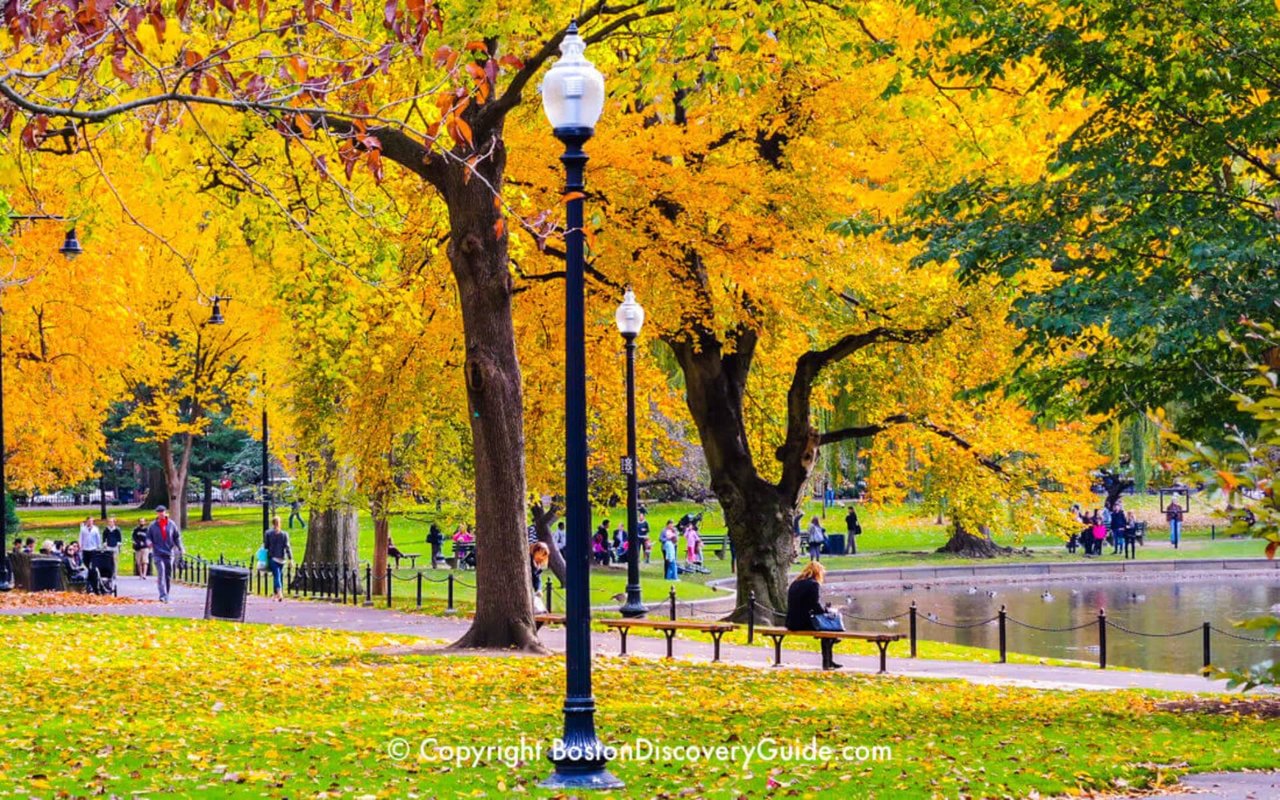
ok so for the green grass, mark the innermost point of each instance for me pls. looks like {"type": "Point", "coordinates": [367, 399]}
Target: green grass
{"type": "Point", "coordinates": [198, 709]}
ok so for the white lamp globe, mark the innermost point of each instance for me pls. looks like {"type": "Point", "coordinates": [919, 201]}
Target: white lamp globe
{"type": "Point", "coordinates": [573, 89]}
{"type": "Point", "coordinates": [630, 315]}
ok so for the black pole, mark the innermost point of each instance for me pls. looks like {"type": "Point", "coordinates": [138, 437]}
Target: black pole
{"type": "Point", "coordinates": [1102, 638]}
{"type": "Point", "coordinates": [581, 761]}
{"type": "Point", "coordinates": [634, 607]}
{"type": "Point", "coordinates": [368, 585]}
{"type": "Point", "coordinates": [419, 590]}
{"type": "Point", "coordinates": [672, 597]}
{"type": "Point", "coordinates": [266, 467]}
{"type": "Point", "coordinates": [547, 604]}
{"type": "Point", "coordinates": [449, 609]}
{"type": "Point", "coordinates": [6, 576]}
{"type": "Point", "coordinates": [912, 618]}
{"type": "Point", "coordinates": [1207, 658]}
{"type": "Point", "coordinates": [388, 586]}
{"type": "Point", "coordinates": [1003, 651]}
{"type": "Point", "coordinates": [751, 616]}
{"type": "Point", "coordinates": [102, 496]}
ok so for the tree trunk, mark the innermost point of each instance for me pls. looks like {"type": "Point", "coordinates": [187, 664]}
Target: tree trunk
{"type": "Point", "coordinates": [757, 514]}
{"type": "Point", "coordinates": [157, 490]}
{"type": "Point", "coordinates": [175, 477]}
{"type": "Point", "coordinates": [966, 545]}
{"type": "Point", "coordinates": [478, 257]}
{"type": "Point", "coordinates": [206, 507]}
{"type": "Point", "coordinates": [333, 527]}
{"type": "Point", "coordinates": [543, 519]}
{"type": "Point", "coordinates": [381, 539]}
{"type": "Point", "coordinates": [759, 523]}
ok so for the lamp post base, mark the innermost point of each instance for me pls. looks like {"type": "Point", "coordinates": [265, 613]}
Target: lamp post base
{"type": "Point", "coordinates": [581, 777]}
{"type": "Point", "coordinates": [634, 607]}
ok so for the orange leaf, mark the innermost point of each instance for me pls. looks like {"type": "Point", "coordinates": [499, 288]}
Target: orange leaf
{"type": "Point", "coordinates": [500, 228]}
{"type": "Point", "coordinates": [570, 196]}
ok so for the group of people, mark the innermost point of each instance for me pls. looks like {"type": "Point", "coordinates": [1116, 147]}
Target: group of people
{"type": "Point", "coordinates": [603, 552]}
{"type": "Point", "coordinates": [1115, 526]}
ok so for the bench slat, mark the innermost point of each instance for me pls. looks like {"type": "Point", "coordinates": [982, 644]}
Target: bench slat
{"type": "Point", "coordinates": [668, 624]}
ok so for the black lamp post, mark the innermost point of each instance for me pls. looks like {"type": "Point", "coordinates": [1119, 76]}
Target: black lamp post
{"type": "Point", "coordinates": [630, 319]}
{"type": "Point", "coordinates": [573, 98]}
{"type": "Point", "coordinates": [216, 318]}
{"type": "Point", "coordinates": [70, 248]}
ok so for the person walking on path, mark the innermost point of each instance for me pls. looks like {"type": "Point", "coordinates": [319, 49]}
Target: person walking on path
{"type": "Point", "coordinates": [166, 543]}
{"type": "Point", "coordinates": [112, 537]}
{"type": "Point", "coordinates": [279, 553]}
{"type": "Point", "coordinates": [1173, 513]}
{"type": "Point", "coordinates": [90, 536]}
{"type": "Point", "coordinates": [295, 512]}
{"type": "Point", "coordinates": [817, 537]}
{"type": "Point", "coordinates": [141, 550]}
{"type": "Point", "coordinates": [854, 529]}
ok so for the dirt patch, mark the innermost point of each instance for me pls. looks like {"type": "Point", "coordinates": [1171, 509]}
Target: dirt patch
{"type": "Point", "coordinates": [1261, 707]}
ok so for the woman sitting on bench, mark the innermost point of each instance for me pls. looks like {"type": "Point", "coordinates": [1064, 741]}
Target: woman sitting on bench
{"type": "Point", "coordinates": [804, 599]}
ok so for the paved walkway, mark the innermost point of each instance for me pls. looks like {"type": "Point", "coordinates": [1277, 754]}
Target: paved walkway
{"type": "Point", "coordinates": [188, 602]}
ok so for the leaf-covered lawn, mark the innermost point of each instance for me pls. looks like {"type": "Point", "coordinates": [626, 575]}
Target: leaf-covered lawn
{"type": "Point", "coordinates": [114, 705]}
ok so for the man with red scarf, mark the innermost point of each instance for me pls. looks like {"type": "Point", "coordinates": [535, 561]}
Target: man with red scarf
{"type": "Point", "coordinates": [166, 542]}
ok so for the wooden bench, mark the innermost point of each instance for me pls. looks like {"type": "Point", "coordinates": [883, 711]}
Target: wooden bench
{"type": "Point", "coordinates": [718, 541]}
{"type": "Point", "coordinates": [669, 627]}
{"type": "Point", "coordinates": [413, 559]}
{"type": "Point", "coordinates": [547, 619]}
{"type": "Point", "coordinates": [881, 640]}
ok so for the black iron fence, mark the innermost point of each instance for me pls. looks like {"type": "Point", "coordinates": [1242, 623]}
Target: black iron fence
{"type": "Point", "coordinates": [1002, 620]}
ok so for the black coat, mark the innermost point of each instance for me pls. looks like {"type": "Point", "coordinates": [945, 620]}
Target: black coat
{"type": "Point", "coordinates": [803, 601]}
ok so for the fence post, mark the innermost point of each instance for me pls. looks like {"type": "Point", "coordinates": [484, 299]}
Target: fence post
{"type": "Point", "coordinates": [419, 589]}
{"type": "Point", "coordinates": [388, 586]}
{"type": "Point", "coordinates": [751, 616]}
{"type": "Point", "coordinates": [1213, 531]}
{"type": "Point", "coordinates": [288, 577]}
{"type": "Point", "coordinates": [368, 586]}
{"type": "Point", "coordinates": [547, 604]}
{"type": "Point", "coordinates": [1102, 638]}
{"type": "Point", "coordinates": [912, 618]}
{"type": "Point", "coordinates": [1207, 658]}
{"type": "Point", "coordinates": [1002, 636]}
{"type": "Point", "coordinates": [450, 610]}
{"type": "Point", "coordinates": [673, 602]}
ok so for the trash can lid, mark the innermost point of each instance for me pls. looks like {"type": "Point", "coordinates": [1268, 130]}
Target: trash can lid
{"type": "Point", "coordinates": [222, 569]}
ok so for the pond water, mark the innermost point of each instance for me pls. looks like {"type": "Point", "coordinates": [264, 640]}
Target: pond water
{"type": "Point", "coordinates": [1145, 606]}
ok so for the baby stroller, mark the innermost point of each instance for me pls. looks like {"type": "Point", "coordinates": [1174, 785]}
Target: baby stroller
{"type": "Point", "coordinates": [101, 578]}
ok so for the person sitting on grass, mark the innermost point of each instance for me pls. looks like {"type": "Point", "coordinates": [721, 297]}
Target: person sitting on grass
{"type": "Point", "coordinates": [804, 599]}
{"type": "Point", "coordinates": [620, 543]}
{"type": "Point", "coordinates": [600, 545]}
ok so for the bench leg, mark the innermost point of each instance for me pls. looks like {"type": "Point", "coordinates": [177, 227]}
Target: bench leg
{"type": "Point", "coordinates": [671, 635]}
{"type": "Point", "coordinates": [715, 637]}
{"type": "Point", "coordinates": [623, 632]}
{"type": "Point", "coordinates": [777, 649]}
{"type": "Point", "coordinates": [884, 649]}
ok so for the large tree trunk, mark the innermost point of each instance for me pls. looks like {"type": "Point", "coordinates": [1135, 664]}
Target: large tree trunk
{"type": "Point", "coordinates": [206, 507]}
{"type": "Point", "coordinates": [175, 478]}
{"type": "Point", "coordinates": [478, 256]}
{"type": "Point", "coordinates": [381, 542]}
{"type": "Point", "coordinates": [966, 545]}
{"type": "Point", "coordinates": [333, 530]}
{"type": "Point", "coordinates": [757, 514]}
{"type": "Point", "coordinates": [157, 490]}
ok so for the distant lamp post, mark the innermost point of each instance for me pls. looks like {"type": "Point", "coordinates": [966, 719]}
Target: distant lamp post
{"type": "Point", "coordinates": [71, 245]}
{"type": "Point", "coordinates": [215, 316]}
{"type": "Point", "coordinates": [70, 248]}
{"type": "Point", "coordinates": [573, 99]}
{"type": "Point", "coordinates": [630, 319]}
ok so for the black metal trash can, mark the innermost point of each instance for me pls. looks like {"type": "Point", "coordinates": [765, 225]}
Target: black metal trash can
{"type": "Point", "coordinates": [835, 544]}
{"type": "Point", "coordinates": [46, 575]}
{"type": "Point", "coordinates": [227, 592]}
